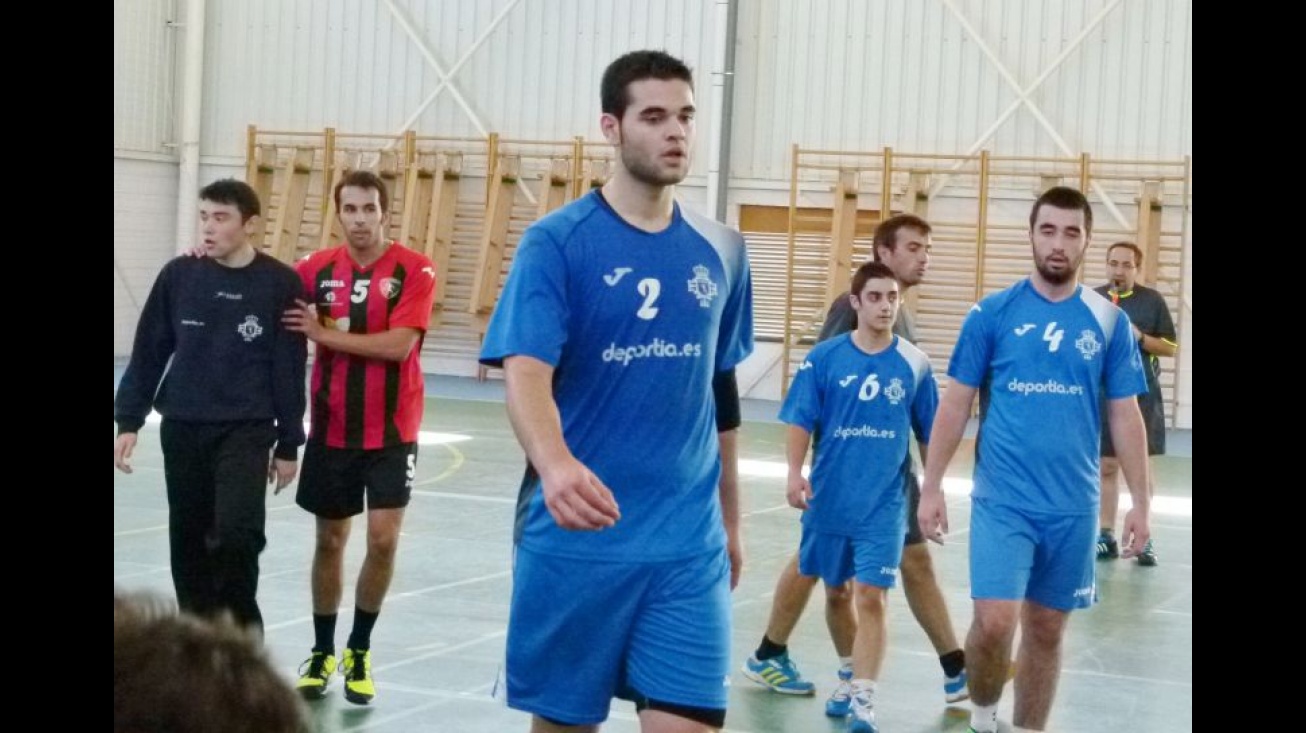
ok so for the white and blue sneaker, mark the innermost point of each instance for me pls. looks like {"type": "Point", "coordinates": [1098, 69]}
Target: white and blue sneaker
{"type": "Point", "coordinates": [863, 720]}
{"type": "Point", "coordinates": [841, 699]}
{"type": "Point", "coordinates": [780, 674]}
{"type": "Point", "coordinates": [955, 689]}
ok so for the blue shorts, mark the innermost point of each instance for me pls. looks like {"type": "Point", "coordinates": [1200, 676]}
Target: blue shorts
{"type": "Point", "coordinates": [582, 632]}
{"type": "Point", "coordinates": [836, 558]}
{"type": "Point", "coordinates": [1045, 558]}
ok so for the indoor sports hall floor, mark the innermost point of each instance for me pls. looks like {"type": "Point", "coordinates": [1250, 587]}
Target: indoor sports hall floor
{"type": "Point", "coordinates": [1128, 662]}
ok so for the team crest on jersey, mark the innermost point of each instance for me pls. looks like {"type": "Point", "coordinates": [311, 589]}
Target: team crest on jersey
{"type": "Point", "coordinates": [250, 330]}
{"type": "Point", "coordinates": [390, 287]}
{"type": "Point", "coordinates": [1088, 344]}
{"type": "Point", "coordinates": [895, 391]}
{"type": "Point", "coordinates": [702, 286]}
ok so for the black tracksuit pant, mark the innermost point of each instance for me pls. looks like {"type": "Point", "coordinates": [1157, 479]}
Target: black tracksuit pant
{"type": "Point", "coordinates": [216, 475]}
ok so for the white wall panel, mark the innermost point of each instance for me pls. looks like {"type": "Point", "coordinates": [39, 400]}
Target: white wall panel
{"type": "Point", "coordinates": [309, 64]}
{"type": "Point", "coordinates": [143, 66]}
{"type": "Point", "coordinates": [847, 74]}
{"type": "Point", "coordinates": [144, 211]}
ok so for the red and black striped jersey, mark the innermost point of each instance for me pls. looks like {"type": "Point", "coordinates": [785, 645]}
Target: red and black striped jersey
{"type": "Point", "coordinates": [359, 402]}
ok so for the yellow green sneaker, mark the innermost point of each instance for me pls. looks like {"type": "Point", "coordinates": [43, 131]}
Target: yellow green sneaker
{"type": "Point", "coordinates": [356, 667]}
{"type": "Point", "coordinates": [314, 674]}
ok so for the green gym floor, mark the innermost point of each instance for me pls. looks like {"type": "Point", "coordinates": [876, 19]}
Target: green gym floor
{"type": "Point", "coordinates": [1128, 662]}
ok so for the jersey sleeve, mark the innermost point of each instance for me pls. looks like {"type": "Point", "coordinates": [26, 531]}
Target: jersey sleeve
{"type": "Point", "coordinates": [151, 350]}
{"type": "Point", "coordinates": [802, 406]}
{"type": "Point", "coordinates": [289, 359]}
{"type": "Point", "coordinates": [1123, 375]}
{"type": "Point", "coordinates": [530, 318]}
{"type": "Point", "coordinates": [304, 268]}
{"type": "Point", "coordinates": [1164, 325]}
{"type": "Point", "coordinates": [735, 341]}
{"type": "Point", "coordinates": [924, 406]}
{"type": "Point", "coordinates": [414, 307]}
{"type": "Point", "coordinates": [974, 350]}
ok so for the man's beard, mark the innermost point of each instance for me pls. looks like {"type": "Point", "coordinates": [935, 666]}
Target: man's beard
{"type": "Point", "coordinates": [1057, 278]}
{"type": "Point", "coordinates": [647, 172]}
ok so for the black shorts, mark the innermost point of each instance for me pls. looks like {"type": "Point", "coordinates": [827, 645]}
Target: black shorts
{"type": "Point", "coordinates": [333, 481]}
{"type": "Point", "coordinates": [1153, 420]}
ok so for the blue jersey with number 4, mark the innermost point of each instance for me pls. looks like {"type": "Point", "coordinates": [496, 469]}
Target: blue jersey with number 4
{"type": "Point", "coordinates": [1047, 365]}
{"type": "Point", "coordinates": [635, 324]}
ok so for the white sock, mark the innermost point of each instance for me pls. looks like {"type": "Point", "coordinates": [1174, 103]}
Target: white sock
{"type": "Point", "coordinates": [984, 718]}
{"type": "Point", "coordinates": [846, 664]}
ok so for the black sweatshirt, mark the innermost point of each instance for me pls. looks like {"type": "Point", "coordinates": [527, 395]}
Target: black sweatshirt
{"type": "Point", "coordinates": [231, 359]}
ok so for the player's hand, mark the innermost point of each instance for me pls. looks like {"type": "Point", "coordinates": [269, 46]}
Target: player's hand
{"type": "Point", "coordinates": [1135, 533]}
{"type": "Point", "coordinates": [577, 499]}
{"type": "Point", "coordinates": [302, 318]}
{"type": "Point", "coordinates": [735, 550]}
{"type": "Point", "coordinates": [798, 491]}
{"type": "Point", "coordinates": [932, 514]}
{"type": "Point", "coordinates": [282, 472]}
{"type": "Point", "coordinates": [122, 452]}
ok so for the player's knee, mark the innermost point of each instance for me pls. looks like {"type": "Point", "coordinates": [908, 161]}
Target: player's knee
{"type": "Point", "coordinates": [993, 626]}
{"type": "Point", "coordinates": [382, 543]}
{"type": "Point", "coordinates": [331, 537]}
{"type": "Point", "coordinates": [916, 566]}
{"type": "Point", "coordinates": [838, 595]}
{"type": "Point", "coordinates": [870, 599]}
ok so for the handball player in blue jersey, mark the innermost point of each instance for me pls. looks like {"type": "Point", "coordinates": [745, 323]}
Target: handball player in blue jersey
{"type": "Point", "coordinates": [618, 311]}
{"type": "Point", "coordinates": [861, 394]}
{"type": "Point", "coordinates": [1047, 349]}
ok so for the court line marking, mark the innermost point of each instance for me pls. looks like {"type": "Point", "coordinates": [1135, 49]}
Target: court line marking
{"type": "Point", "coordinates": [348, 591]}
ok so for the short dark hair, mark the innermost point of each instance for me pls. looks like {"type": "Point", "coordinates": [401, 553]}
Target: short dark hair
{"type": "Point", "coordinates": [886, 234]}
{"type": "Point", "coordinates": [233, 193]}
{"type": "Point", "coordinates": [364, 179]}
{"type": "Point", "coordinates": [184, 674]}
{"type": "Point", "coordinates": [870, 271]}
{"type": "Point", "coordinates": [614, 91]}
{"type": "Point", "coordinates": [1138, 252]}
{"type": "Point", "coordinates": [1063, 197]}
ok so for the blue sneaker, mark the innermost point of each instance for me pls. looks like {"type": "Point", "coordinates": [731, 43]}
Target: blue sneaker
{"type": "Point", "coordinates": [863, 720]}
{"type": "Point", "coordinates": [840, 700]}
{"type": "Point", "coordinates": [955, 689]}
{"type": "Point", "coordinates": [779, 674]}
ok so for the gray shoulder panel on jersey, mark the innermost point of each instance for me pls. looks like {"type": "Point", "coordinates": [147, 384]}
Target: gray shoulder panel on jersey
{"type": "Point", "coordinates": [915, 358]}
{"type": "Point", "coordinates": [728, 243]}
{"type": "Point", "coordinates": [1107, 315]}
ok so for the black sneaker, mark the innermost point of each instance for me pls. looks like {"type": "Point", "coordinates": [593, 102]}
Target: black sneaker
{"type": "Point", "coordinates": [1107, 547]}
{"type": "Point", "coordinates": [1146, 558]}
